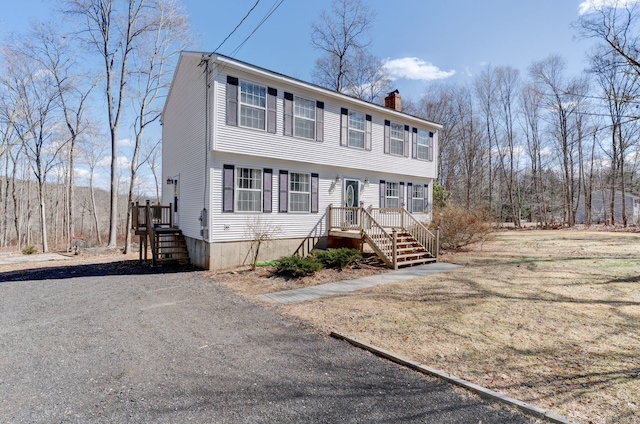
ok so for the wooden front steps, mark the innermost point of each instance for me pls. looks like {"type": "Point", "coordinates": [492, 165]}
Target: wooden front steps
{"type": "Point", "coordinates": [394, 234]}
{"type": "Point", "coordinates": [410, 252]}
{"type": "Point", "coordinates": [170, 246]}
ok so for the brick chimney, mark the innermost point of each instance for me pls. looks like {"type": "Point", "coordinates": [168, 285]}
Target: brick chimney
{"type": "Point", "coordinates": [393, 101]}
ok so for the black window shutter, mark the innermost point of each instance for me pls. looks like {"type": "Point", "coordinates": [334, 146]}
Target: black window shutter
{"type": "Point", "coordinates": [283, 204]}
{"type": "Point", "coordinates": [409, 197]}
{"type": "Point", "coordinates": [272, 95]}
{"type": "Point", "coordinates": [344, 127]}
{"type": "Point", "coordinates": [267, 183]}
{"type": "Point", "coordinates": [228, 185]}
{"type": "Point", "coordinates": [314, 193]}
{"type": "Point", "coordinates": [232, 100]}
{"type": "Point", "coordinates": [367, 135]}
{"type": "Point", "coordinates": [430, 151]}
{"type": "Point", "coordinates": [387, 136]}
{"type": "Point", "coordinates": [288, 114]}
{"type": "Point", "coordinates": [426, 198]}
{"type": "Point", "coordinates": [414, 143]}
{"type": "Point", "coordinates": [406, 141]}
{"type": "Point", "coordinates": [401, 194]}
{"type": "Point", "coordinates": [319, 121]}
{"type": "Point", "coordinates": [383, 194]}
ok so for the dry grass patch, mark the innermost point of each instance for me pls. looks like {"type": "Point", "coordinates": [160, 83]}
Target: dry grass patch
{"type": "Point", "coordinates": [548, 317]}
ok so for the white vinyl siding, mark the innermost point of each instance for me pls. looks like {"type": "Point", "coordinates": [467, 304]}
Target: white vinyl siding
{"type": "Point", "coordinates": [253, 105]}
{"type": "Point", "coordinates": [356, 130]}
{"type": "Point", "coordinates": [248, 190]}
{"type": "Point", "coordinates": [299, 192]}
{"type": "Point", "coordinates": [304, 112]}
{"type": "Point", "coordinates": [393, 195]}
{"type": "Point", "coordinates": [397, 139]}
{"type": "Point", "coordinates": [417, 198]}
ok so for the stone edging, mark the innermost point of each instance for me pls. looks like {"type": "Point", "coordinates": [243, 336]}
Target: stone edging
{"type": "Point", "coordinates": [482, 391]}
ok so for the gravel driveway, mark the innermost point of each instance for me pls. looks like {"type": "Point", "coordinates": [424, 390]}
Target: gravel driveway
{"type": "Point", "coordinates": [119, 343]}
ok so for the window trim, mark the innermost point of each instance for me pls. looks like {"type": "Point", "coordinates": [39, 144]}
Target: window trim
{"type": "Point", "coordinates": [426, 148]}
{"type": "Point", "coordinates": [363, 130]}
{"type": "Point", "coordinates": [237, 190]}
{"type": "Point", "coordinates": [290, 192]}
{"type": "Point", "coordinates": [389, 185]}
{"type": "Point", "coordinates": [413, 198]}
{"type": "Point", "coordinates": [393, 139]}
{"type": "Point", "coordinates": [265, 109]}
{"type": "Point", "coordinates": [314, 120]}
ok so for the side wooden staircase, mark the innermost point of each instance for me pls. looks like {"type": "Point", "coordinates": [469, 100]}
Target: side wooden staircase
{"type": "Point", "coordinates": [396, 236]}
{"type": "Point", "coordinates": [154, 225]}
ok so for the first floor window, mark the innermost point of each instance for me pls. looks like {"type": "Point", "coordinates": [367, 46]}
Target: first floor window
{"type": "Point", "coordinates": [393, 195]}
{"type": "Point", "coordinates": [417, 198]}
{"type": "Point", "coordinates": [304, 116]}
{"type": "Point", "coordinates": [396, 145]}
{"type": "Point", "coordinates": [248, 190]}
{"type": "Point", "coordinates": [425, 145]}
{"type": "Point", "coordinates": [253, 105]}
{"type": "Point", "coordinates": [299, 192]}
{"type": "Point", "coordinates": [356, 130]}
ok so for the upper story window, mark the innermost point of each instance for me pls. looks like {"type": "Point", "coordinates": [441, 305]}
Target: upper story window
{"type": "Point", "coordinates": [356, 130]}
{"type": "Point", "coordinates": [248, 190]}
{"type": "Point", "coordinates": [304, 116]}
{"type": "Point", "coordinates": [396, 144]}
{"type": "Point", "coordinates": [392, 195]}
{"type": "Point", "coordinates": [253, 105]}
{"type": "Point", "coordinates": [299, 192]}
{"type": "Point", "coordinates": [424, 145]}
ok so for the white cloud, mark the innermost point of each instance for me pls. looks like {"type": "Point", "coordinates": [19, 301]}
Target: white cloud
{"type": "Point", "coordinates": [413, 68]}
{"type": "Point", "coordinates": [123, 162]}
{"type": "Point", "coordinates": [588, 6]}
{"type": "Point", "coordinates": [126, 142]}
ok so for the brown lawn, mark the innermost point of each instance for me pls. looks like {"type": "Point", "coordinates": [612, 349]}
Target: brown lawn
{"type": "Point", "coordinates": [548, 317]}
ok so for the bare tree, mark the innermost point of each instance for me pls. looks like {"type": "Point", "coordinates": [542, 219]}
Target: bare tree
{"type": "Point", "coordinates": [112, 28]}
{"type": "Point", "coordinates": [563, 98]}
{"type": "Point", "coordinates": [346, 65]}
{"type": "Point", "coordinates": [152, 77]}
{"type": "Point", "coordinates": [35, 94]}
{"type": "Point", "coordinates": [57, 55]}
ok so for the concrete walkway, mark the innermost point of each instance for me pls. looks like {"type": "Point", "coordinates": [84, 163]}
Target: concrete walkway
{"type": "Point", "coordinates": [344, 286]}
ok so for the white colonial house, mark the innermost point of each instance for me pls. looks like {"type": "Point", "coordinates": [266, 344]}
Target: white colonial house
{"type": "Point", "coordinates": [246, 149]}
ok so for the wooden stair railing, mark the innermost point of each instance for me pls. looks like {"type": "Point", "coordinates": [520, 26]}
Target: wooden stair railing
{"type": "Point", "coordinates": [394, 234]}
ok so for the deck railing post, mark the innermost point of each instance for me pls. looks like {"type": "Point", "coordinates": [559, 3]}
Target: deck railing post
{"type": "Point", "coordinates": [170, 215]}
{"type": "Point", "coordinates": [361, 216]}
{"type": "Point", "coordinates": [330, 216]}
{"type": "Point", "coordinates": [394, 252]}
{"type": "Point", "coordinates": [437, 248]}
{"type": "Point", "coordinates": [402, 210]}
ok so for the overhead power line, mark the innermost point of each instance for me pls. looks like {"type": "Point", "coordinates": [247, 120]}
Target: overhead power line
{"type": "Point", "coordinates": [237, 26]}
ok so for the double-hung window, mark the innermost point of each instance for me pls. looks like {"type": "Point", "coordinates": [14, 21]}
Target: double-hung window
{"type": "Point", "coordinates": [417, 198]}
{"type": "Point", "coordinates": [253, 105]}
{"type": "Point", "coordinates": [396, 145]}
{"type": "Point", "coordinates": [304, 117]}
{"type": "Point", "coordinates": [356, 130]}
{"type": "Point", "coordinates": [393, 195]}
{"type": "Point", "coordinates": [248, 186]}
{"type": "Point", "coordinates": [299, 192]}
{"type": "Point", "coordinates": [425, 145]}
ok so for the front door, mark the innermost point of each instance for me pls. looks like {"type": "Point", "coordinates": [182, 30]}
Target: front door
{"type": "Point", "coordinates": [351, 200]}
{"type": "Point", "coordinates": [176, 206]}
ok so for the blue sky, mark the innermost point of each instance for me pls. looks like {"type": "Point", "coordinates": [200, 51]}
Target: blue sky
{"type": "Point", "coordinates": [422, 40]}
{"type": "Point", "coordinates": [419, 37]}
